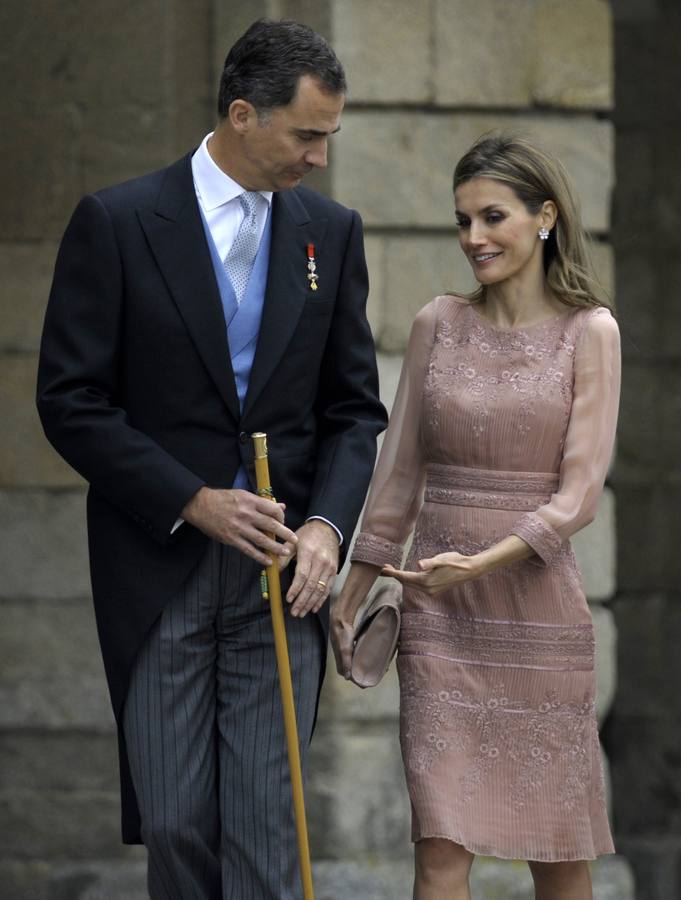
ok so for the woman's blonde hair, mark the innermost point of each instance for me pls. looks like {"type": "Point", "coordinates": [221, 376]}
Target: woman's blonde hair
{"type": "Point", "coordinates": [536, 177]}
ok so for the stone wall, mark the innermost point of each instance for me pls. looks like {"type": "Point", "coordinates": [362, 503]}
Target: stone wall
{"type": "Point", "coordinates": [644, 732]}
{"type": "Point", "coordinates": [101, 91]}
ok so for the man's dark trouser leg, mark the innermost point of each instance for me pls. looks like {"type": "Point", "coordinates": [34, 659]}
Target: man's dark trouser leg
{"type": "Point", "coordinates": [218, 824]}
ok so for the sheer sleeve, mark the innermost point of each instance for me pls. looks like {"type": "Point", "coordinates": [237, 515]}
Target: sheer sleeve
{"type": "Point", "coordinates": [396, 491]}
{"type": "Point", "coordinates": [588, 443]}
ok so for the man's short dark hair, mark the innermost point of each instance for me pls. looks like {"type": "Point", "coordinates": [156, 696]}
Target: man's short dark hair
{"type": "Point", "coordinates": [266, 63]}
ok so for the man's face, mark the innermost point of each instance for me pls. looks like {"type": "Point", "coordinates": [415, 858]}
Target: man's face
{"type": "Point", "coordinates": [279, 150]}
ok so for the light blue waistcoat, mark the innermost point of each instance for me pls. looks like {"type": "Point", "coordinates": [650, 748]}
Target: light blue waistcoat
{"type": "Point", "coordinates": [243, 319]}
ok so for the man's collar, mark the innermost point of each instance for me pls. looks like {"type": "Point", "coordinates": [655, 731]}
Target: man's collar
{"type": "Point", "coordinates": [213, 185]}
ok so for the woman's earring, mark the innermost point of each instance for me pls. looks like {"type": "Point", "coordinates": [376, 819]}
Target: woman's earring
{"type": "Point", "coordinates": [544, 233]}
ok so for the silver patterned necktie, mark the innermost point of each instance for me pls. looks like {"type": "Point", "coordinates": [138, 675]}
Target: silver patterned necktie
{"type": "Point", "coordinates": [239, 261]}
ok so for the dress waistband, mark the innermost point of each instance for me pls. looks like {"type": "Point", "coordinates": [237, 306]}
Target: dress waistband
{"type": "Point", "coordinates": [489, 488]}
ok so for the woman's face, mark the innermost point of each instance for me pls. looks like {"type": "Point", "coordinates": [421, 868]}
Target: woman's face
{"type": "Point", "coordinates": [498, 234]}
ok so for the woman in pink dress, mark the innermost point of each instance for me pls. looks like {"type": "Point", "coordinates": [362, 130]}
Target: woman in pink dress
{"type": "Point", "coordinates": [497, 450]}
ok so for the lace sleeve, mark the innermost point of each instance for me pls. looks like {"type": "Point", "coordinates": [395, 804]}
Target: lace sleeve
{"type": "Point", "coordinates": [588, 443]}
{"type": "Point", "coordinates": [396, 491]}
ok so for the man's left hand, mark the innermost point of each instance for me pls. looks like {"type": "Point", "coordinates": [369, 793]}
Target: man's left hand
{"type": "Point", "coordinates": [316, 556]}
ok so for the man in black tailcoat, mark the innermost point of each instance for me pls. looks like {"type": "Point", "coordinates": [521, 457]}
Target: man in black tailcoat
{"type": "Point", "coordinates": [190, 308]}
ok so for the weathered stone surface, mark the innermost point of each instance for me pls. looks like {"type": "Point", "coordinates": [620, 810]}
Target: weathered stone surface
{"type": "Point", "coordinates": [71, 760]}
{"type": "Point", "coordinates": [651, 406]}
{"type": "Point", "coordinates": [656, 864]}
{"type": "Point", "coordinates": [358, 802]}
{"type": "Point", "coordinates": [25, 277]}
{"type": "Point", "coordinates": [606, 659]}
{"type": "Point", "coordinates": [113, 880]}
{"type": "Point", "coordinates": [43, 553]}
{"type": "Point", "coordinates": [649, 662]}
{"type": "Point", "coordinates": [574, 54]}
{"type": "Point", "coordinates": [375, 255]}
{"type": "Point", "coordinates": [26, 458]}
{"type": "Point", "coordinates": [604, 264]}
{"type": "Point", "coordinates": [646, 773]}
{"type": "Point", "coordinates": [374, 41]}
{"type": "Point", "coordinates": [423, 147]}
{"type": "Point", "coordinates": [484, 53]}
{"type": "Point", "coordinates": [86, 128]}
{"type": "Point", "coordinates": [417, 269]}
{"type": "Point", "coordinates": [648, 557]}
{"type": "Point", "coordinates": [68, 824]}
{"type": "Point", "coordinates": [52, 674]}
{"type": "Point", "coordinates": [594, 548]}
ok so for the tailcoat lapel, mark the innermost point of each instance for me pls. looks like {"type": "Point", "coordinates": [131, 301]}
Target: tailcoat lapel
{"type": "Point", "coordinates": [178, 242]}
{"type": "Point", "coordinates": [287, 285]}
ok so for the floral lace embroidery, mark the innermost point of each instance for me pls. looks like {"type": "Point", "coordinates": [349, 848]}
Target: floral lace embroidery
{"type": "Point", "coordinates": [527, 377]}
{"type": "Point", "coordinates": [534, 741]}
{"type": "Point", "coordinates": [376, 550]}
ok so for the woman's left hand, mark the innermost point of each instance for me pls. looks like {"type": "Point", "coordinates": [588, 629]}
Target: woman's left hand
{"type": "Point", "coordinates": [439, 572]}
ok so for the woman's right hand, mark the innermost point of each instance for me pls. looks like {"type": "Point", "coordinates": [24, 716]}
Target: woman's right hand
{"type": "Point", "coordinates": [344, 610]}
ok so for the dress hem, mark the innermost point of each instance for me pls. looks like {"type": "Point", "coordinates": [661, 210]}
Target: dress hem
{"type": "Point", "coordinates": [479, 850]}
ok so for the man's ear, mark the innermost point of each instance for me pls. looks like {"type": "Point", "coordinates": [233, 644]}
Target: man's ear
{"type": "Point", "coordinates": [241, 115]}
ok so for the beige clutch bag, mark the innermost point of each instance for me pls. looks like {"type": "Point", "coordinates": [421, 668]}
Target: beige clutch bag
{"type": "Point", "coordinates": [377, 629]}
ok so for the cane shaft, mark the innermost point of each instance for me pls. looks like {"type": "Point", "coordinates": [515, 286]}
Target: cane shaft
{"type": "Point", "coordinates": [284, 667]}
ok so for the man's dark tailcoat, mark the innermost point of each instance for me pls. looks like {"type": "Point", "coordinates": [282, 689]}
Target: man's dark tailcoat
{"type": "Point", "coordinates": [136, 390]}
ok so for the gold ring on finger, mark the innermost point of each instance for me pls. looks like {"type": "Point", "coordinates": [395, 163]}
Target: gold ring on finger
{"type": "Point", "coordinates": [322, 584]}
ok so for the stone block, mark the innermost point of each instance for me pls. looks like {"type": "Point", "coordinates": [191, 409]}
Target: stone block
{"type": "Point", "coordinates": [484, 53]}
{"type": "Point", "coordinates": [383, 46]}
{"type": "Point", "coordinates": [646, 773]}
{"type": "Point", "coordinates": [656, 865]}
{"type": "Point", "coordinates": [389, 369]}
{"type": "Point", "coordinates": [574, 54]}
{"type": "Point", "coordinates": [37, 200]}
{"type": "Point", "coordinates": [52, 674]}
{"type": "Point", "coordinates": [359, 808]}
{"type": "Point", "coordinates": [26, 457]}
{"type": "Point", "coordinates": [606, 660]}
{"type": "Point", "coordinates": [375, 254]}
{"type": "Point", "coordinates": [649, 662]}
{"type": "Point", "coordinates": [604, 265]}
{"type": "Point", "coordinates": [70, 760]}
{"type": "Point", "coordinates": [648, 556]}
{"type": "Point", "coordinates": [25, 278]}
{"type": "Point", "coordinates": [44, 551]}
{"type": "Point", "coordinates": [418, 268]}
{"type": "Point", "coordinates": [423, 148]}
{"type": "Point", "coordinates": [104, 96]}
{"type": "Point", "coordinates": [67, 824]}
{"type": "Point", "coordinates": [594, 548]}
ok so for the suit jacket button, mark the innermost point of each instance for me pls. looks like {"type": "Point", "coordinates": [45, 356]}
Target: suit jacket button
{"type": "Point", "coordinates": [243, 437]}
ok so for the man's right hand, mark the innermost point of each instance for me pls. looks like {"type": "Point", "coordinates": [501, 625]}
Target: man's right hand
{"type": "Point", "coordinates": [242, 520]}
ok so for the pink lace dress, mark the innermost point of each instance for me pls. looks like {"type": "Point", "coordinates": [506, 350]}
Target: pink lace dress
{"type": "Point", "coordinates": [497, 432]}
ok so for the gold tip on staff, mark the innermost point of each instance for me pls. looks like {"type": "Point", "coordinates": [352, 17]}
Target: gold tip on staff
{"type": "Point", "coordinates": [271, 588]}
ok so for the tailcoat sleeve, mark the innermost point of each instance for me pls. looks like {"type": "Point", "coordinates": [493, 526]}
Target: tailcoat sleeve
{"type": "Point", "coordinates": [79, 386]}
{"type": "Point", "coordinates": [396, 492]}
{"type": "Point", "coordinates": [588, 442]}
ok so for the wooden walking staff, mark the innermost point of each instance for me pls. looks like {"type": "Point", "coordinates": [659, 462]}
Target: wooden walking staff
{"type": "Point", "coordinates": [272, 591]}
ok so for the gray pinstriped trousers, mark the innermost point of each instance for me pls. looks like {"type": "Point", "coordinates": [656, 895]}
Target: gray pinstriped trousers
{"type": "Point", "coordinates": [204, 732]}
